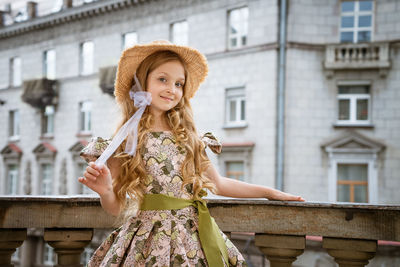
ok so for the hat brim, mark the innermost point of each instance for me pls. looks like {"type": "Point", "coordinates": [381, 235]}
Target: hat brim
{"type": "Point", "coordinates": [196, 66]}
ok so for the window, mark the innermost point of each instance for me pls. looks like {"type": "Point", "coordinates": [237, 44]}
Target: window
{"type": "Point", "coordinates": [356, 21]}
{"type": "Point", "coordinates": [14, 125]}
{"type": "Point", "coordinates": [180, 33]}
{"type": "Point", "coordinates": [129, 39]}
{"type": "Point", "coordinates": [238, 25]}
{"type": "Point", "coordinates": [353, 167]}
{"type": "Point", "coordinates": [86, 116]}
{"type": "Point", "coordinates": [352, 183]}
{"type": "Point", "coordinates": [12, 179]}
{"type": "Point", "coordinates": [235, 170]}
{"type": "Point", "coordinates": [48, 121]}
{"type": "Point", "coordinates": [49, 64]}
{"type": "Point", "coordinates": [49, 257]}
{"type": "Point", "coordinates": [86, 58]}
{"type": "Point", "coordinates": [235, 160]}
{"type": "Point", "coordinates": [353, 104]}
{"type": "Point", "coordinates": [235, 107]}
{"type": "Point", "coordinates": [15, 71]}
{"type": "Point", "coordinates": [46, 188]}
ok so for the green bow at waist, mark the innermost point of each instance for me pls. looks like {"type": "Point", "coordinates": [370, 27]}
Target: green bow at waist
{"type": "Point", "coordinates": [210, 237]}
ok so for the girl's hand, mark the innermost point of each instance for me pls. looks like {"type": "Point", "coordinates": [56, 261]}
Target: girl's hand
{"type": "Point", "coordinates": [286, 197]}
{"type": "Point", "coordinates": [97, 178]}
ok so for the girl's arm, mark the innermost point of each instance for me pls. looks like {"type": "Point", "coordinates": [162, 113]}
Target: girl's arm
{"type": "Point", "coordinates": [99, 179]}
{"type": "Point", "coordinates": [232, 188]}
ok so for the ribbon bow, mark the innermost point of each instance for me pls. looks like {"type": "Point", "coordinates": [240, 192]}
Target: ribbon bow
{"type": "Point", "coordinates": [130, 129]}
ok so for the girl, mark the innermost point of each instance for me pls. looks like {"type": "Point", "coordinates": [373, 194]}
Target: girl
{"type": "Point", "coordinates": [160, 163]}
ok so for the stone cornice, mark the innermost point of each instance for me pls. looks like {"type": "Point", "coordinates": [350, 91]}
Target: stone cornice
{"type": "Point", "coordinates": [66, 16]}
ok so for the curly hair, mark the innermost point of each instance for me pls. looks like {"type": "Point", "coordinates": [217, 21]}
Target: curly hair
{"type": "Point", "coordinates": [133, 175]}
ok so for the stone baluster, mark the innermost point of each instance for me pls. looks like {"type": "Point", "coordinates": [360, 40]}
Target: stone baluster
{"type": "Point", "coordinates": [280, 250]}
{"type": "Point", "coordinates": [10, 240]}
{"type": "Point", "coordinates": [68, 244]}
{"type": "Point", "coordinates": [350, 252]}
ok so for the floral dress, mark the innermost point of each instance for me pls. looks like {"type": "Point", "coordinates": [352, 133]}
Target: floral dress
{"type": "Point", "coordinates": [160, 237]}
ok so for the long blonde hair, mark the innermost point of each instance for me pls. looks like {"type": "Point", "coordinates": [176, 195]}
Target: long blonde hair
{"type": "Point", "coordinates": [133, 175]}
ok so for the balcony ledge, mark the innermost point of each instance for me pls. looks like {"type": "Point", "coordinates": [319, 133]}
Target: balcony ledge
{"type": "Point", "coordinates": [344, 220]}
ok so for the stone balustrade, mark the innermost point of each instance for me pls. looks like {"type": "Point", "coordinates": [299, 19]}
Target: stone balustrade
{"type": "Point", "coordinates": [350, 231]}
{"type": "Point", "coordinates": [357, 56]}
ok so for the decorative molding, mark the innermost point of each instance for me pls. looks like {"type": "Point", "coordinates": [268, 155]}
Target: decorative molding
{"type": "Point", "coordinates": [67, 16]}
{"type": "Point", "coordinates": [353, 142]}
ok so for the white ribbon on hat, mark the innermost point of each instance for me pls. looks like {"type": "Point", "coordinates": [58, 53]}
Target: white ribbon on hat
{"type": "Point", "coordinates": [129, 130]}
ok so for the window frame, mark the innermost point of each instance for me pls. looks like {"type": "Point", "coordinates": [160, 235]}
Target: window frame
{"type": "Point", "coordinates": [51, 75]}
{"type": "Point", "coordinates": [44, 181]}
{"type": "Point", "coordinates": [46, 118]}
{"type": "Point", "coordinates": [238, 36]}
{"type": "Point", "coordinates": [356, 13]}
{"type": "Point", "coordinates": [14, 129]}
{"type": "Point", "coordinates": [85, 117]}
{"type": "Point", "coordinates": [352, 121]}
{"type": "Point", "coordinates": [124, 43]}
{"type": "Point", "coordinates": [83, 60]}
{"type": "Point", "coordinates": [16, 177]}
{"type": "Point", "coordinates": [237, 174]}
{"type": "Point", "coordinates": [372, 176]}
{"type": "Point", "coordinates": [15, 72]}
{"type": "Point", "coordinates": [173, 33]}
{"type": "Point", "coordinates": [351, 183]}
{"type": "Point", "coordinates": [236, 97]}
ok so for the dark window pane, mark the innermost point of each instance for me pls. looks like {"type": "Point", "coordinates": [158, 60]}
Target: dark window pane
{"type": "Point", "coordinates": [361, 193]}
{"type": "Point", "coordinates": [352, 172]}
{"type": "Point", "coordinates": [364, 21]}
{"type": "Point", "coordinates": [347, 6]}
{"type": "Point", "coordinates": [242, 111]}
{"type": "Point", "coordinates": [346, 37]}
{"type": "Point", "coordinates": [244, 40]}
{"type": "Point", "coordinates": [344, 109]}
{"type": "Point", "coordinates": [362, 109]}
{"type": "Point", "coordinates": [364, 36]}
{"type": "Point", "coordinates": [343, 193]}
{"type": "Point", "coordinates": [233, 42]}
{"type": "Point", "coordinates": [365, 5]}
{"type": "Point", "coordinates": [348, 22]}
{"type": "Point", "coordinates": [353, 90]}
{"type": "Point", "coordinates": [232, 110]}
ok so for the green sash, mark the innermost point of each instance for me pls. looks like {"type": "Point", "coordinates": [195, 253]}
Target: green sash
{"type": "Point", "coordinates": [211, 240]}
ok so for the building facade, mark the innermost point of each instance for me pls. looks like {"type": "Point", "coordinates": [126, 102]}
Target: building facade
{"type": "Point", "coordinates": [341, 91]}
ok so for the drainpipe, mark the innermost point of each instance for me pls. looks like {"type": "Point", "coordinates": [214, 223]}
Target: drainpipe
{"type": "Point", "coordinates": [281, 98]}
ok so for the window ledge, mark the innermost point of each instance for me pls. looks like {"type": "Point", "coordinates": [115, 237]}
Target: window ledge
{"type": "Point", "coordinates": [46, 137]}
{"type": "Point", "coordinates": [235, 126]}
{"type": "Point", "coordinates": [10, 87]}
{"type": "Point", "coordinates": [14, 138]}
{"type": "Point", "coordinates": [84, 134]}
{"type": "Point", "coordinates": [353, 125]}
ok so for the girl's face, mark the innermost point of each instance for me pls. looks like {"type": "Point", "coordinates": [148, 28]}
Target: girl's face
{"type": "Point", "coordinates": [165, 83]}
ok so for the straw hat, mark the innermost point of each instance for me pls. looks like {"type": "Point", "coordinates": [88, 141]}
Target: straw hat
{"type": "Point", "coordinates": [131, 58]}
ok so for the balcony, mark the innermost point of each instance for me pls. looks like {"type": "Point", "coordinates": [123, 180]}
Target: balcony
{"type": "Point", "coordinates": [357, 57]}
{"type": "Point", "coordinates": [350, 231]}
